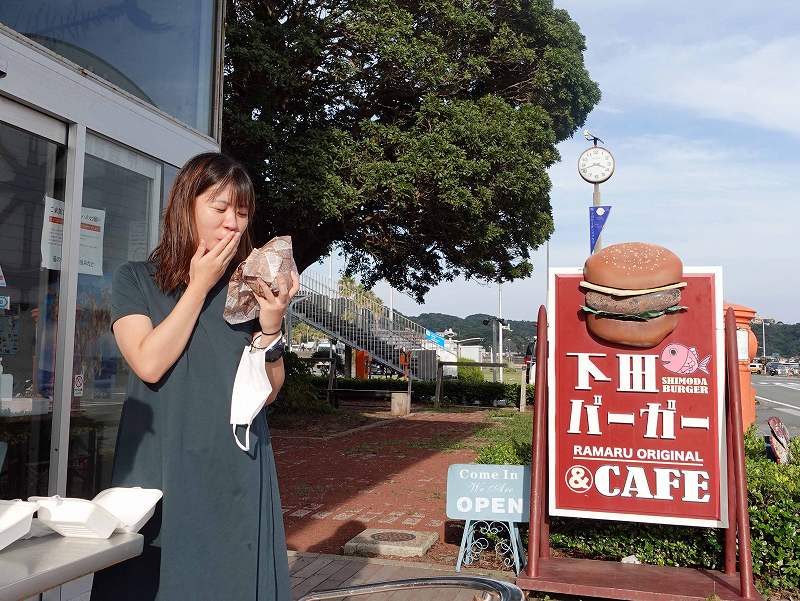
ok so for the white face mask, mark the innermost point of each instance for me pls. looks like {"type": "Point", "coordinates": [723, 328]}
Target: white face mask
{"type": "Point", "coordinates": [251, 388]}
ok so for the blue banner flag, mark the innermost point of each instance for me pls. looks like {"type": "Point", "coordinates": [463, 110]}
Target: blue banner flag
{"type": "Point", "coordinates": [597, 219]}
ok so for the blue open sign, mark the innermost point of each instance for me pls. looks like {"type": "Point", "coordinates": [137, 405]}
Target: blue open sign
{"type": "Point", "coordinates": [489, 492]}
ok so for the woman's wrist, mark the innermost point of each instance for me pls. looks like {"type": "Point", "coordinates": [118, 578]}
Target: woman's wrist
{"type": "Point", "coordinates": [262, 340]}
{"type": "Point", "coordinates": [196, 290]}
{"type": "Point", "coordinates": [270, 327]}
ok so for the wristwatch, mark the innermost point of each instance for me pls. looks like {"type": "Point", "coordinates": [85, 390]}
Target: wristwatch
{"type": "Point", "coordinates": [273, 352]}
{"type": "Point", "coordinates": [276, 352]}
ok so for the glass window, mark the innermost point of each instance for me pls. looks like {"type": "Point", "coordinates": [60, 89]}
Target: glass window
{"type": "Point", "coordinates": [162, 52]}
{"type": "Point", "coordinates": [32, 172]}
{"type": "Point", "coordinates": [121, 202]}
{"type": "Point", "coordinates": [170, 173]}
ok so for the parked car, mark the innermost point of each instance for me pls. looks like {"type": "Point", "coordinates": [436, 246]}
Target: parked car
{"type": "Point", "coordinates": [530, 363]}
{"type": "Point", "coordinates": [783, 369]}
{"type": "Point", "coordinates": [772, 368]}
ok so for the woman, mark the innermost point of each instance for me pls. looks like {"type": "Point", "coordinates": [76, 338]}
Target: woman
{"type": "Point", "coordinates": [218, 532]}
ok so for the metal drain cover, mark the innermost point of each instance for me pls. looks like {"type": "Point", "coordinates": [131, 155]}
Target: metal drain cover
{"type": "Point", "coordinates": [392, 537]}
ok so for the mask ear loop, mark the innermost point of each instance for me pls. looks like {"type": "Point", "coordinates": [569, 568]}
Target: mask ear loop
{"type": "Point", "coordinates": [245, 448]}
{"type": "Point", "coordinates": [254, 348]}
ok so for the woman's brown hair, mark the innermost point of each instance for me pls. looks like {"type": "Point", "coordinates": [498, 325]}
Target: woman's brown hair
{"type": "Point", "coordinates": [179, 241]}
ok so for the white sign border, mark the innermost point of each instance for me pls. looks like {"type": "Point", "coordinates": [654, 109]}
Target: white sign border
{"type": "Point", "coordinates": [721, 430]}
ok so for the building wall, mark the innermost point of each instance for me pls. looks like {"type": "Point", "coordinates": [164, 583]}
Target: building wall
{"type": "Point", "coordinates": [85, 165]}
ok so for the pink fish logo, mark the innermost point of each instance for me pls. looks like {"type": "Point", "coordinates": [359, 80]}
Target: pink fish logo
{"type": "Point", "coordinates": [680, 359]}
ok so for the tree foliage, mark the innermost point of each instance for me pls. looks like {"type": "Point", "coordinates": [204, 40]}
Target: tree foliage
{"type": "Point", "coordinates": [783, 339]}
{"type": "Point", "coordinates": [413, 134]}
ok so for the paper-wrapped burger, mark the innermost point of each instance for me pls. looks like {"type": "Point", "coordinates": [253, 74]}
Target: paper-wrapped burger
{"type": "Point", "coordinates": [258, 274]}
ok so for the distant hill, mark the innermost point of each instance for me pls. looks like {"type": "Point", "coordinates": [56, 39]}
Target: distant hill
{"type": "Point", "coordinates": [782, 339]}
{"type": "Point", "coordinates": [522, 332]}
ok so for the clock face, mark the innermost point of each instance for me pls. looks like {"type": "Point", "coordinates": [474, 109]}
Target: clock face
{"type": "Point", "coordinates": [596, 164]}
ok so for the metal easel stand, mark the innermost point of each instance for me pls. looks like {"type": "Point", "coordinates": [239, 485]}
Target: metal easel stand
{"type": "Point", "coordinates": [476, 540]}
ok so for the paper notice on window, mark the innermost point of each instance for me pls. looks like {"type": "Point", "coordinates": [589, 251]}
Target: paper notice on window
{"type": "Point", "coordinates": [2, 278]}
{"type": "Point", "coordinates": [137, 241]}
{"type": "Point", "coordinates": [93, 223]}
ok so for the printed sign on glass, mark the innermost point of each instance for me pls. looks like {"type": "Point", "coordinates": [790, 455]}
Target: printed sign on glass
{"type": "Point", "coordinates": [91, 237]}
{"type": "Point", "coordinates": [637, 434]}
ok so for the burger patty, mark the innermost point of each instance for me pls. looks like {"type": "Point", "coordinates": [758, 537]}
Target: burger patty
{"type": "Point", "coordinates": [633, 305]}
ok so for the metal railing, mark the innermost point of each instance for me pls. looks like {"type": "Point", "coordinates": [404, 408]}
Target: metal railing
{"type": "Point", "coordinates": [358, 320]}
{"type": "Point", "coordinates": [496, 590]}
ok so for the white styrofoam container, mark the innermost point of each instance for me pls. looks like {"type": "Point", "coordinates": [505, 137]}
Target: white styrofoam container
{"type": "Point", "coordinates": [76, 517]}
{"type": "Point", "coordinates": [38, 529]}
{"type": "Point", "coordinates": [132, 506]}
{"type": "Point", "coordinates": [15, 520]}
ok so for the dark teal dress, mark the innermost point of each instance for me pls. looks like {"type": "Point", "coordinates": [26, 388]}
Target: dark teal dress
{"type": "Point", "coordinates": [218, 532]}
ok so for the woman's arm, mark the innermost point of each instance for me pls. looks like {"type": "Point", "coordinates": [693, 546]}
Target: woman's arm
{"type": "Point", "coordinates": [151, 351]}
{"type": "Point", "coordinates": [276, 375]}
{"type": "Point", "coordinates": [270, 315]}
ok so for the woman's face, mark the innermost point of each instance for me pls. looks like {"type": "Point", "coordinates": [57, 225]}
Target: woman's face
{"type": "Point", "coordinates": [215, 215]}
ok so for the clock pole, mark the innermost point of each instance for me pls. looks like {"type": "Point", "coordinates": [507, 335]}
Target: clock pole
{"type": "Point", "coordinates": [602, 159]}
{"type": "Point", "coordinates": [596, 202]}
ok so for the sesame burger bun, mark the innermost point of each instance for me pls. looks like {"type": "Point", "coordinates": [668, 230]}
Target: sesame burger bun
{"type": "Point", "coordinates": [642, 334]}
{"type": "Point", "coordinates": [624, 284]}
{"type": "Point", "coordinates": [633, 266]}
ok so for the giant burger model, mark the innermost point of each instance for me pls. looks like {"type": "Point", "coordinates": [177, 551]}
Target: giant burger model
{"type": "Point", "coordinates": [633, 293]}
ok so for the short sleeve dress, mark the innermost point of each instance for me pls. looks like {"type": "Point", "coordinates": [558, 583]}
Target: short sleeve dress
{"type": "Point", "coordinates": [218, 531]}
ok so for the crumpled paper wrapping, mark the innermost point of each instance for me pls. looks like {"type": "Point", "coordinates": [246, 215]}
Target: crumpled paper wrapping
{"type": "Point", "coordinates": [257, 273]}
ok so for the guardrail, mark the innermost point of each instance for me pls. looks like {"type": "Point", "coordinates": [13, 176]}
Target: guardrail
{"type": "Point", "coordinates": [358, 320]}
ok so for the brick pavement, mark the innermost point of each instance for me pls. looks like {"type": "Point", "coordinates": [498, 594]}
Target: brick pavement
{"type": "Point", "coordinates": [392, 475]}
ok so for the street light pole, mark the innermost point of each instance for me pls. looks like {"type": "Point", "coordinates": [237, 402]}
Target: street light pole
{"type": "Point", "coordinates": [763, 341]}
{"type": "Point", "coordinates": [547, 272]}
{"type": "Point", "coordinates": [500, 327]}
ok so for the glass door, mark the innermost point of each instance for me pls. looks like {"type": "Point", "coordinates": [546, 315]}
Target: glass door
{"type": "Point", "coordinates": [119, 223]}
{"type": "Point", "coordinates": [32, 187]}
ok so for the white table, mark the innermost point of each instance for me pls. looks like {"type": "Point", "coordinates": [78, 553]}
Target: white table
{"type": "Point", "coordinates": [30, 567]}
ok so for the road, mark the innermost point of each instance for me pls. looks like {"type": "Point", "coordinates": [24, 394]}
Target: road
{"type": "Point", "coordinates": [780, 397]}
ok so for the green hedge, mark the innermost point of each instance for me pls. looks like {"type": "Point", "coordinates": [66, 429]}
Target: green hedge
{"type": "Point", "coordinates": [299, 393]}
{"type": "Point", "coordinates": [774, 503]}
{"type": "Point", "coordinates": [454, 392]}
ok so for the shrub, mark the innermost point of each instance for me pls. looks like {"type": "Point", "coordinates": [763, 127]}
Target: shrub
{"type": "Point", "coordinates": [299, 394]}
{"type": "Point", "coordinates": [469, 373]}
{"type": "Point", "coordinates": [773, 499]}
{"type": "Point", "coordinates": [454, 392]}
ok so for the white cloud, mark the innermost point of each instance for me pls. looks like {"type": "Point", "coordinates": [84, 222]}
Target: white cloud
{"type": "Point", "coordinates": [733, 78]}
{"type": "Point", "coordinates": [711, 202]}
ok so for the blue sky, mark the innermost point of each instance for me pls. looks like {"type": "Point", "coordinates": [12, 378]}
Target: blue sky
{"type": "Point", "coordinates": [699, 108]}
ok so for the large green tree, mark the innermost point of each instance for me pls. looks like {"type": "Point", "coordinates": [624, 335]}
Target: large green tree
{"type": "Point", "coordinates": [413, 134]}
